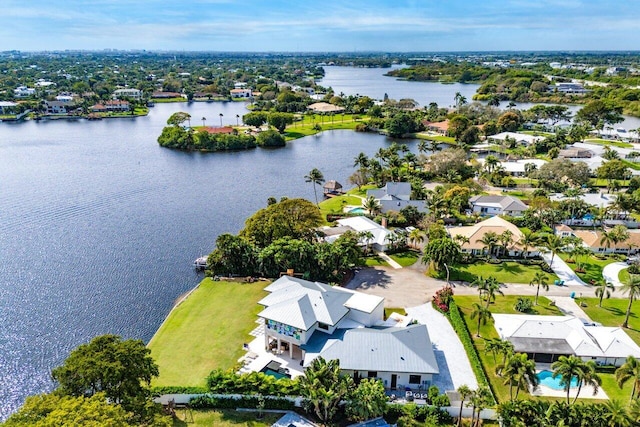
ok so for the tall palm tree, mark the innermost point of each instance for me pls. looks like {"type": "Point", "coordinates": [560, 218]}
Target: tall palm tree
{"type": "Point", "coordinates": [368, 237]}
{"type": "Point", "coordinates": [480, 399]}
{"type": "Point", "coordinates": [489, 241]}
{"type": "Point", "coordinates": [588, 377]}
{"type": "Point", "coordinates": [221, 116]}
{"type": "Point", "coordinates": [422, 146]}
{"type": "Point", "coordinates": [315, 177]}
{"type": "Point", "coordinates": [361, 160]}
{"type": "Point", "coordinates": [237, 119]}
{"type": "Point", "coordinates": [630, 370]}
{"type": "Point", "coordinates": [604, 290]}
{"type": "Point", "coordinates": [567, 368]}
{"type": "Point", "coordinates": [632, 287]}
{"type": "Point", "coordinates": [608, 237]}
{"type": "Point", "coordinates": [519, 373]}
{"type": "Point", "coordinates": [482, 313]}
{"type": "Point", "coordinates": [464, 392]}
{"type": "Point", "coordinates": [505, 238]}
{"type": "Point", "coordinates": [204, 120]}
{"type": "Point", "coordinates": [492, 287]}
{"type": "Point", "coordinates": [371, 205]}
{"type": "Point", "coordinates": [462, 240]}
{"type": "Point", "coordinates": [528, 240]}
{"type": "Point", "coordinates": [540, 281]}
{"type": "Point", "coordinates": [554, 244]}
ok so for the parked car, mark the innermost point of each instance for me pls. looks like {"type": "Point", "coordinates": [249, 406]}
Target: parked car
{"type": "Point", "coordinates": [633, 260]}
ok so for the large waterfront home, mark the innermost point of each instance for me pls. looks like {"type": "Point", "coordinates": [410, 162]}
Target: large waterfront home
{"type": "Point", "coordinates": [379, 239]}
{"type": "Point", "coordinates": [395, 196]}
{"type": "Point", "coordinates": [310, 319]}
{"type": "Point", "coordinates": [491, 205]}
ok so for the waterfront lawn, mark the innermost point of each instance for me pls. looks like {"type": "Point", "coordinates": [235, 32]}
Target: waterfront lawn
{"type": "Point", "coordinates": [223, 418]}
{"type": "Point", "coordinates": [505, 272]}
{"type": "Point", "coordinates": [503, 304]}
{"type": "Point", "coordinates": [613, 311]}
{"type": "Point", "coordinates": [205, 332]}
{"type": "Point", "coordinates": [406, 258]}
{"type": "Point", "coordinates": [439, 138]}
{"type": "Point", "coordinates": [335, 205]}
{"type": "Point", "coordinates": [305, 127]}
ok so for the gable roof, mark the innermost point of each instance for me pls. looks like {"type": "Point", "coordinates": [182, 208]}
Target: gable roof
{"type": "Point", "coordinates": [388, 350]}
{"type": "Point", "coordinates": [362, 223]}
{"type": "Point", "coordinates": [506, 203]}
{"type": "Point", "coordinates": [400, 190]}
{"type": "Point", "coordinates": [476, 232]}
{"type": "Point", "coordinates": [592, 239]}
{"type": "Point", "coordinates": [301, 303]}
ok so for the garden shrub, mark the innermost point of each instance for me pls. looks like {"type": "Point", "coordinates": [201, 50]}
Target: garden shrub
{"type": "Point", "coordinates": [524, 305]}
{"type": "Point", "coordinates": [229, 382]}
{"type": "Point", "coordinates": [230, 402]}
{"type": "Point", "coordinates": [442, 299]}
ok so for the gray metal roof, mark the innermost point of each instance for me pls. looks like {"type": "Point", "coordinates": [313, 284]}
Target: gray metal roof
{"type": "Point", "coordinates": [387, 350]}
{"type": "Point", "coordinates": [537, 345]}
{"type": "Point", "coordinates": [506, 202]}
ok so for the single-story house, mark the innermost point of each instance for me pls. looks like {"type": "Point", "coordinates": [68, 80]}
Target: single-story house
{"type": "Point", "coordinates": [593, 240]}
{"type": "Point", "coordinates": [8, 107]}
{"type": "Point", "coordinates": [165, 95]}
{"type": "Point", "coordinates": [399, 357]}
{"type": "Point", "coordinates": [98, 108]}
{"type": "Point", "coordinates": [360, 224]}
{"type": "Point", "coordinates": [117, 105]}
{"type": "Point", "coordinates": [497, 205]}
{"type": "Point", "coordinates": [241, 93]}
{"type": "Point", "coordinates": [546, 338]}
{"type": "Point", "coordinates": [127, 93]}
{"type": "Point", "coordinates": [395, 196]}
{"type": "Point", "coordinates": [519, 138]}
{"type": "Point", "coordinates": [296, 309]}
{"type": "Point", "coordinates": [519, 167]}
{"type": "Point", "coordinates": [575, 153]}
{"type": "Point", "coordinates": [475, 233]}
{"type": "Point", "coordinates": [599, 200]}
{"type": "Point", "coordinates": [441, 128]}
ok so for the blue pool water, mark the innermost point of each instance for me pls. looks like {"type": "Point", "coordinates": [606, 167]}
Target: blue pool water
{"type": "Point", "coordinates": [359, 211]}
{"type": "Point", "coordinates": [546, 379]}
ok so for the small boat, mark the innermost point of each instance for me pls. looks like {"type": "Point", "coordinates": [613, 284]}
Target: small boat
{"type": "Point", "coordinates": [200, 263]}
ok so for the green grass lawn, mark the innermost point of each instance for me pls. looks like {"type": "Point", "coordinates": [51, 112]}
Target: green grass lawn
{"type": "Point", "coordinates": [439, 138]}
{"type": "Point", "coordinates": [613, 311]}
{"type": "Point", "coordinates": [592, 265]}
{"type": "Point", "coordinates": [405, 258]}
{"type": "Point", "coordinates": [388, 311]}
{"type": "Point", "coordinates": [608, 142]}
{"type": "Point", "coordinates": [375, 261]}
{"type": "Point", "coordinates": [336, 204]}
{"type": "Point", "coordinates": [205, 332]}
{"type": "Point", "coordinates": [506, 272]}
{"type": "Point", "coordinates": [503, 304]}
{"type": "Point", "coordinates": [223, 418]}
{"type": "Point", "coordinates": [305, 127]}
{"type": "Point", "coordinates": [610, 387]}
{"type": "Point", "coordinates": [623, 276]}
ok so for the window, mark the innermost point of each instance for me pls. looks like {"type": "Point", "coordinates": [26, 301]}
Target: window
{"type": "Point", "coordinates": [323, 326]}
{"type": "Point", "coordinates": [372, 374]}
{"type": "Point", "coordinates": [414, 379]}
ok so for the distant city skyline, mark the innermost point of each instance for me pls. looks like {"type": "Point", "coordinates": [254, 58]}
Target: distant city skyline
{"type": "Point", "coordinates": [314, 26]}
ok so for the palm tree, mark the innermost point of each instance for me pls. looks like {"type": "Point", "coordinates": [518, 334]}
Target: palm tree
{"type": "Point", "coordinates": [464, 392]}
{"type": "Point", "coordinates": [630, 370]}
{"type": "Point", "coordinates": [489, 241]}
{"type": "Point", "coordinates": [539, 280]}
{"type": "Point", "coordinates": [608, 237]}
{"type": "Point", "coordinates": [422, 146]}
{"type": "Point", "coordinates": [221, 116]}
{"type": "Point", "coordinates": [237, 119]}
{"type": "Point", "coordinates": [368, 237]}
{"type": "Point", "coordinates": [588, 377]}
{"type": "Point", "coordinates": [371, 205]}
{"type": "Point", "coordinates": [480, 399]}
{"type": "Point", "coordinates": [491, 163]}
{"type": "Point", "coordinates": [361, 160]}
{"type": "Point", "coordinates": [204, 120]}
{"type": "Point", "coordinates": [604, 289]}
{"type": "Point", "coordinates": [529, 239]}
{"type": "Point", "coordinates": [462, 240]}
{"type": "Point", "coordinates": [519, 373]}
{"type": "Point", "coordinates": [632, 287]}
{"type": "Point", "coordinates": [315, 177]}
{"type": "Point", "coordinates": [482, 313]}
{"type": "Point", "coordinates": [416, 236]}
{"type": "Point", "coordinates": [554, 244]}
{"type": "Point", "coordinates": [505, 239]}
{"type": "Point", "coordinates": [567, 368]}
{"type": "Point", "coordinates": [493, 346]}
{"type": "Point", "coordinates": [616, 414]}
{"type": "Point", "coordinates": [491, 288]}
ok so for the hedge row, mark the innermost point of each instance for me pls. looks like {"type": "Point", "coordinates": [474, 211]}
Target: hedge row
{"type": "Point", "coordinates": [460, 326]}
{"type": "Point", "coordinates": [229, 382]}
{"type": "Point", "coordinates": [178, 390]}
{"type": "Point", "coordinates": [417, 413]}
{"type": "Point", "coordinates": [230, 402]}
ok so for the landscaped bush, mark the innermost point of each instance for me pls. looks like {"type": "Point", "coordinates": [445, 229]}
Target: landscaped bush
{"type": "Point", "coordinates": [540, 412]}
{"type": "Point", "coordinates": [228, 382]}
{"type": "Point", "coordinates": [524, 305]}
{"type": "Point", "coordinates": [208, 401]}
{"type": "Point", "coordinates": [157, 391]}
{"type": "Point", "coordinates": [442, 299]}
{"type": "Point", "coordinates": [634, 269]}
{"type": "Point", "coordinates": [459, 325]}
{"type": "Point", "coordinates": [411, 412]}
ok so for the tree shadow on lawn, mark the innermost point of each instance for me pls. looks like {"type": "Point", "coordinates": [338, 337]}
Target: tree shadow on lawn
{"type": "Point", "coordinates": [511, 268]}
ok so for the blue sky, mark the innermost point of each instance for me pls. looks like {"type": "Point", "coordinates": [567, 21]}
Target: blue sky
{"type": "Point", "coordinates": [327, 25]}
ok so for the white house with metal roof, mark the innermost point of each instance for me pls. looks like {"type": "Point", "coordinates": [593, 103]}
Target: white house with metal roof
{"type": "Point", "coordinates": [497, 205]}
{"type": "Point", "coordinates": [395, 196]}
{"type": "Point", "coordinates": [361, 224]}
{"type": "Point", "coordinates": [399, 357]}
{"type": "Point", "coordinates": [295, 309]}
{"type": "Point", "coordinates": [545, 338]}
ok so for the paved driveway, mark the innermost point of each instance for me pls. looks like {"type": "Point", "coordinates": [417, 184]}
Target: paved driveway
{"type": "Point", "coordinates": [611, 272]}
{"type": "Point", "coordinates": [563, 271]}
{"type": "Point", "coordinates": [453, 363]}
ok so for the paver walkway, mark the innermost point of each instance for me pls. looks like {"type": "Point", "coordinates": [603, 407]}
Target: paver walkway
{"type": "Point", "coordinates": [389, 260]}
{"type": "Point", "coordinates": [611, 272]}
{"type": "Point", "coordinates": [563, 271]}
{"type": "Point", "coordinates": [453, 362]}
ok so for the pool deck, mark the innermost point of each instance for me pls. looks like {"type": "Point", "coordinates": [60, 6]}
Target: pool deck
{"type": "Point", "coordinates": [585, 393]}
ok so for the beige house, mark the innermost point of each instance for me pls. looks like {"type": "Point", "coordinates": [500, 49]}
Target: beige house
{"type": "Point", "coordinates": [475, 234]}
{"type": "Point", "coordinates": [593, 240]}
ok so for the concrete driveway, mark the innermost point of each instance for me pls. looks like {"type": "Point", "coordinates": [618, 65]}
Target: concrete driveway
{"type": "Point", "coordinates": [611, 272]}
{"type": "Point", "coordinates": [563, 271]}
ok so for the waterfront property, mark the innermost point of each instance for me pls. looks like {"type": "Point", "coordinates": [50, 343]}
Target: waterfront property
{"type": "Point", "coordinates": [379, 240]}
{"type": "Point", "coordinates": [546, 338]}
{"type": "Point", "coordinates": [395, 196]}
{"type": "Point", "coordinates": [519, 138]}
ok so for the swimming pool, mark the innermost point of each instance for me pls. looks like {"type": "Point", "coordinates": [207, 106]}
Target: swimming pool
{"type": "Point", "coordinates": [358, 211]}
{"type": "Point", "coordinates": [546, 379]}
